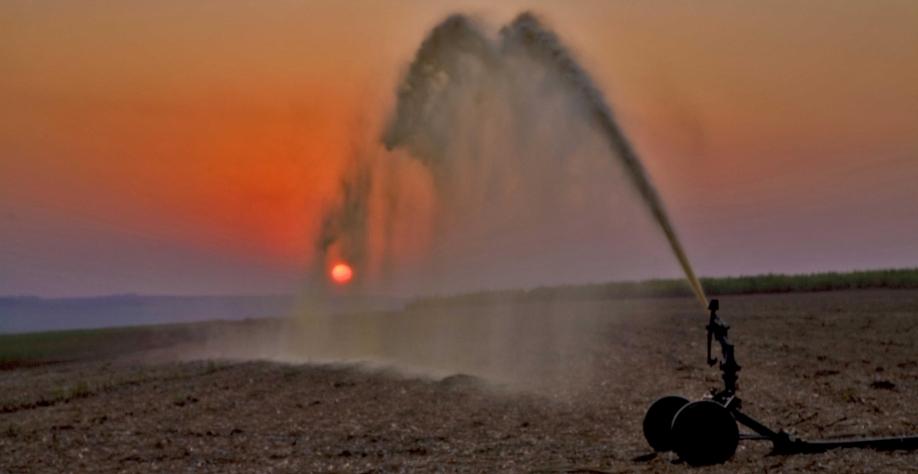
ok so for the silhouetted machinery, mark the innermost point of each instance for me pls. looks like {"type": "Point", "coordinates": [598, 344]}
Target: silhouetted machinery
{"type": "Point", "coordinates": [706, 431]}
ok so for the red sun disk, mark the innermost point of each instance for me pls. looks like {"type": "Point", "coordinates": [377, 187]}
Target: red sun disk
{"type": "Point", "coordinates": [341, 273]}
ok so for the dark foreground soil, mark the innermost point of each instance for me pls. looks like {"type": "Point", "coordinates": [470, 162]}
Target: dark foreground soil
{"type": "Point", "coordinates": [819, 364]}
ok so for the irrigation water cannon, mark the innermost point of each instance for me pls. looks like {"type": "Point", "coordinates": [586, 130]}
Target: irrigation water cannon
{"type": "Point", "coordinates": [707, 432]}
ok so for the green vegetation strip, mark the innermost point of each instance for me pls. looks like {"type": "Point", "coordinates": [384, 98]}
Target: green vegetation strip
{"type": "Point", "coordinates": [741, 285]}
{"type": "Point", "coordinates": [21, 349]}
{"type": "Point", "coordinates": [53, 344]}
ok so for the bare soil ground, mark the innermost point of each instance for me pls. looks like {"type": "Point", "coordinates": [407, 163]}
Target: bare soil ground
{"type": "Point", "coordinates": [820, 364]}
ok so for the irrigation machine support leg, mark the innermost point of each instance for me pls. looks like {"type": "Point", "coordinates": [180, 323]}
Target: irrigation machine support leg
{"type": "Point", "coordinates": [783, 442]}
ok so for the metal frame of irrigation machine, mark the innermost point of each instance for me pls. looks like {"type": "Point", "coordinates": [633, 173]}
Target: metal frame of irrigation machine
{"type": "Point", "coordinates": [706, 432]}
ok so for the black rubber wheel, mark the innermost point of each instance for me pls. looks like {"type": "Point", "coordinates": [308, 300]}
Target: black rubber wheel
{"type": "Point", "coordinates": [704, 433]}
{"type": "Point", "coordinates": [658, 422]}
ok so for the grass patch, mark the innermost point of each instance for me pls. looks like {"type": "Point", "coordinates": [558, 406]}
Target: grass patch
{"type": "Point", "coordinates": [52, 345]}
{"type": "Point", "coordinates": [26, 349]}
{"type": "Point", "coordinates": [22, 350]}
{"type": "Point", "coordinates": [72, 392]}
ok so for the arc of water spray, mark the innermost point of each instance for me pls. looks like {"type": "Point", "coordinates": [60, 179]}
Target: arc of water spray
{"type": "Point", "coordinates": [457, 35]}
{"type": "Point", "coordinates": [439, 61]}
{"type": "Point", "coordinates": [528, 32]}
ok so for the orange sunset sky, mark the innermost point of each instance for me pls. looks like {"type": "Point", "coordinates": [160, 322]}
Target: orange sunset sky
{"type": "Point", "coordinates": [189, 146]}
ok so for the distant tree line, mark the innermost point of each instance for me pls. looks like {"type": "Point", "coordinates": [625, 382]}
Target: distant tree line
{"type": "Point", "coordinates": [738, 285]}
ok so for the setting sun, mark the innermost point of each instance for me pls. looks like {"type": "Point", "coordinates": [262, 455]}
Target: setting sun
{"type": "Point", "coordinates": [341, 273]}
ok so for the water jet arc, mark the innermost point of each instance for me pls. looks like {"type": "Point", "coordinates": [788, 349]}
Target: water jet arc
{"type": "Point", "coordinates": [544, 44]}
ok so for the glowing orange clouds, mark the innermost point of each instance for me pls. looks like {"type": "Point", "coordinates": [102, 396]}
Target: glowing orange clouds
{"type": "Point", "coordinates": [341, 273]}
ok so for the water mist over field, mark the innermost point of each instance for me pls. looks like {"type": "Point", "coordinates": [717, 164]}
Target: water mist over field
{"type": "Point", "coordinates": [502, 167]}
{"type": "Point", "coordinates": [501, 153]}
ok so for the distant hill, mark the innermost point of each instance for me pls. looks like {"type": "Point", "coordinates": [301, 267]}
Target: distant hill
{"type": "Point", "coordinates": [20, 314]}
{"type": "Point", "coordinates": [30, 313]}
